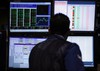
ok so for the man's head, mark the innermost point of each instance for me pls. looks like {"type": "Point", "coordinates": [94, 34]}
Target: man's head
{"type": "Point", "coordinates": [59, 24]}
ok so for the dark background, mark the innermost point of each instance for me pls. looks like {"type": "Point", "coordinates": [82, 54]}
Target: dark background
{"type": "Point", "coordinates": [4, 21]}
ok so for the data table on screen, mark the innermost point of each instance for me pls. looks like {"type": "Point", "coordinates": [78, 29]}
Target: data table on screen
{"type": "Point", "coordinates": [80, 13]}
{"type": "Point", "coordinates": [82, 16]}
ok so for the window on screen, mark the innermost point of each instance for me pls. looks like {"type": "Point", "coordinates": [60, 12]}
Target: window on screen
{"type": "Point", "coordinates": [80, 13]}
{"type": "Point", "coordinates": [19, 50]}
{"type": "Point", "coordinates": [29, 16]}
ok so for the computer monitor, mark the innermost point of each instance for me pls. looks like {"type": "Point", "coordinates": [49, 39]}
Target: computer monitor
{"type": "Point", "coordinates": [20, 47]}
{"type": "Point", "coordinates": [80, 13]}
{"type": "Point", "coordinates": [29, 16]}
{"type": "Point", "coordinates": [19, 51]}
{"type": "Point", "coordinates": [86, 45]}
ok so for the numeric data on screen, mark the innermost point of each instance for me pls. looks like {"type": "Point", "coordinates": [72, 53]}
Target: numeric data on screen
{"type": "Point", "coordinates": [82, 17]}
{"type": "Point", "coordinates": [80, 13]}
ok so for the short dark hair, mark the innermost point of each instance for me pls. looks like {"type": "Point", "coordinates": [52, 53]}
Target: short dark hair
{"type": "Point", "coordinates": [59, 24]}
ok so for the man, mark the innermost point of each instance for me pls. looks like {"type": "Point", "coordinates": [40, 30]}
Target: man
{"type": "Point", "coordinates": [55, 53]}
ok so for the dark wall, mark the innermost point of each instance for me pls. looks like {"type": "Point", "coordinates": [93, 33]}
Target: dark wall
{"type": "Point", "coordinates": [3, 23]}
{"type": "Point", "coordinates": [97, 31]}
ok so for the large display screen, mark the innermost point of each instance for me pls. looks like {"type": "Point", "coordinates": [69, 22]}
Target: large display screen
{"type": "Point", "coordinates": [80, 13]}
{"type": "Point", "coordinates": [20, 48]}
{"type": "Point", "coordinates": [29, 16]}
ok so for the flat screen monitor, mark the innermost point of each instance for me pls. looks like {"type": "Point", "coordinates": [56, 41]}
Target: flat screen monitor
{"type": "Point", "coordinates": [29, 16]}
{"type": "Point", "coordinates": [87, 48]}
{"type": "Point", "coordinates": [20, 48]}
{"type": "Point", "coordinates": [80, 13]}
{"type": "Point", "coordinates": [19, 51]}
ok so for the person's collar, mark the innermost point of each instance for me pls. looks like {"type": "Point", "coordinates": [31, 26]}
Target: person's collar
{"type": "Point", "coordinates": [56, 36]}
{"type": "Point", "coordinates": [59, 36]}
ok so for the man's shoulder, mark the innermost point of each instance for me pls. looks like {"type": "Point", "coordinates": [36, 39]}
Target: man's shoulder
{"type": "Point", "coordinates": [73, 44]}
{"type": "Point", "coordinates": [74, 49]}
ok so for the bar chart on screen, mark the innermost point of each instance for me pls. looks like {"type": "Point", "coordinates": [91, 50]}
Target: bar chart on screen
{"type": "Point", "coordinates": [30, 17]}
